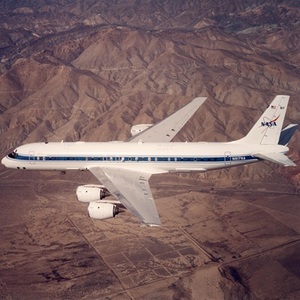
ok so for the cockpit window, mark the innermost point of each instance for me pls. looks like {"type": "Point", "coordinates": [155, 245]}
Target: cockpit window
{"type": "Point", "coordinates": [13, 154]}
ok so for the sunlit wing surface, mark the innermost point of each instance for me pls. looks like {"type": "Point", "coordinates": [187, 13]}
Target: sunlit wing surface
{"type": "Point", "coordinates": [132, 189]}
{"type": "Point", "coordinates": [164, 131]}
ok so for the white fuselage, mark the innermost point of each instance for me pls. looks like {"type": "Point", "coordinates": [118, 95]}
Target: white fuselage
{"type": "Point", "coordinates": [149, 157]}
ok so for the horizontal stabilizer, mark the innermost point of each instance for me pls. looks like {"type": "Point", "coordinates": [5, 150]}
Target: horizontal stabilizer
{"type": "Point", "coordinates": [278, 158]}
{"type": "Point", "coordinates": [286, 134]}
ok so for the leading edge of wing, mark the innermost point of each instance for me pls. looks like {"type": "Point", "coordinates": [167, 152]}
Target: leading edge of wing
{"type": "Point", "coordinates": [165, 130]}
{"type": "Point", "coordinates": [132, 189]}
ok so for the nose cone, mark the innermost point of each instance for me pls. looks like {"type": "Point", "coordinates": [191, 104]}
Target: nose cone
{"type": "Point", "coordinates": [4, 161]}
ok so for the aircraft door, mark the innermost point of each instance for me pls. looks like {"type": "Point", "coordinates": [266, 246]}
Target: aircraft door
{"type": "Point", "coordinates": [227, 158]}
{"type": "Point", "coordinates": [31, 157]}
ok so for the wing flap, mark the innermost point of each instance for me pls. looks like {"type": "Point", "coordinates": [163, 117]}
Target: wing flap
{"type": "Point", "coordinates": [132, 189]}
{"type": "Point", "coordinates": [164, 131]}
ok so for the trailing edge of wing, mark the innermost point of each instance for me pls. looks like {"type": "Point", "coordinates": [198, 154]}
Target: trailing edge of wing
{"type": "Point", "coordinates": [278, 158]}
{"type": "Point", "coordinates": [164, 131]}
{"type": "Point", "coordinates": [132, 189]}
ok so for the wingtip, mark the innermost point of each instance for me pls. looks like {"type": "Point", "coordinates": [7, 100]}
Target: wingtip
{"type": "Point", "coordinates": [200, 98]}
{"type": "Point", "coordinates": [156, 223]}
{"type": "Point", "coordinates": [153, 225]}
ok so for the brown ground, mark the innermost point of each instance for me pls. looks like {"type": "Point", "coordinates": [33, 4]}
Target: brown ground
{"type": "Point", "coordinates": [89, 70]}
{"type": "Point", "coordinates": [219, 241]}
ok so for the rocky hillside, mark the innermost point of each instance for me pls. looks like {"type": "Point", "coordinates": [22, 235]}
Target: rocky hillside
{"type": "Point", "coordinates": [88, 70]}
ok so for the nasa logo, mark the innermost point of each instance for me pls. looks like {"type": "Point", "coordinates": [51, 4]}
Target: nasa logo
{"type": "Point", "coordinates": [269, 123]}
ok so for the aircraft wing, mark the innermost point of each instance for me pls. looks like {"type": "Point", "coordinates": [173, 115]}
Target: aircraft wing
{"type": "Point", "coordinates": [164, 131]}
{"type": "Point", "coordinates": [132, 189]}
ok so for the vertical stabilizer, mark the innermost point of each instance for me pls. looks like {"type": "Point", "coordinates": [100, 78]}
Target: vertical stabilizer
{"type": "Point", "coordinates": [267, 129]}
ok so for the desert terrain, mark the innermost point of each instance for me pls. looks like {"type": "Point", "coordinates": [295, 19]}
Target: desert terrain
{"type": "Point", "coordinates": [215, 242]}
{"type": "Point", "coordinates": [88, 70]}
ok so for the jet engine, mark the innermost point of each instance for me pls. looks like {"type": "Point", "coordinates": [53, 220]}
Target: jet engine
{"type": "Point", "coordinates": [136, 129]}
{"type": "Point", "coordinates": [89, 193]}
{"type": "Point", "coordinates": [100, 211]}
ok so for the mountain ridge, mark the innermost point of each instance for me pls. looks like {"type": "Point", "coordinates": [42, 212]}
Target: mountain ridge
{"type": "Point", "coordinates": [79, 79]}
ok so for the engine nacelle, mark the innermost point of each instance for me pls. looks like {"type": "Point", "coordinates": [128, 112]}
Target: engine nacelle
{"type": "Point", "coordinates": [100, 211]}
{"type": "Point", "coordinates": [89, 193]}
{"type": "Point", "coordinates": [136, 129]}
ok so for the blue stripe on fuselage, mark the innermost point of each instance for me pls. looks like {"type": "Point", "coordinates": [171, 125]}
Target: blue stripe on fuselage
{"type": "Point", "coordinates": [136, 158]}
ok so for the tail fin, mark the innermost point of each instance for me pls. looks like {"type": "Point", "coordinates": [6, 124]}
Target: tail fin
{"type": "Point", "coordinates": [267, 129]}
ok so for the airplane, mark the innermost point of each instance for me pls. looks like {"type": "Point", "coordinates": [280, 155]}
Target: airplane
{"type": "Point", "coordinates": [124, 168]}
